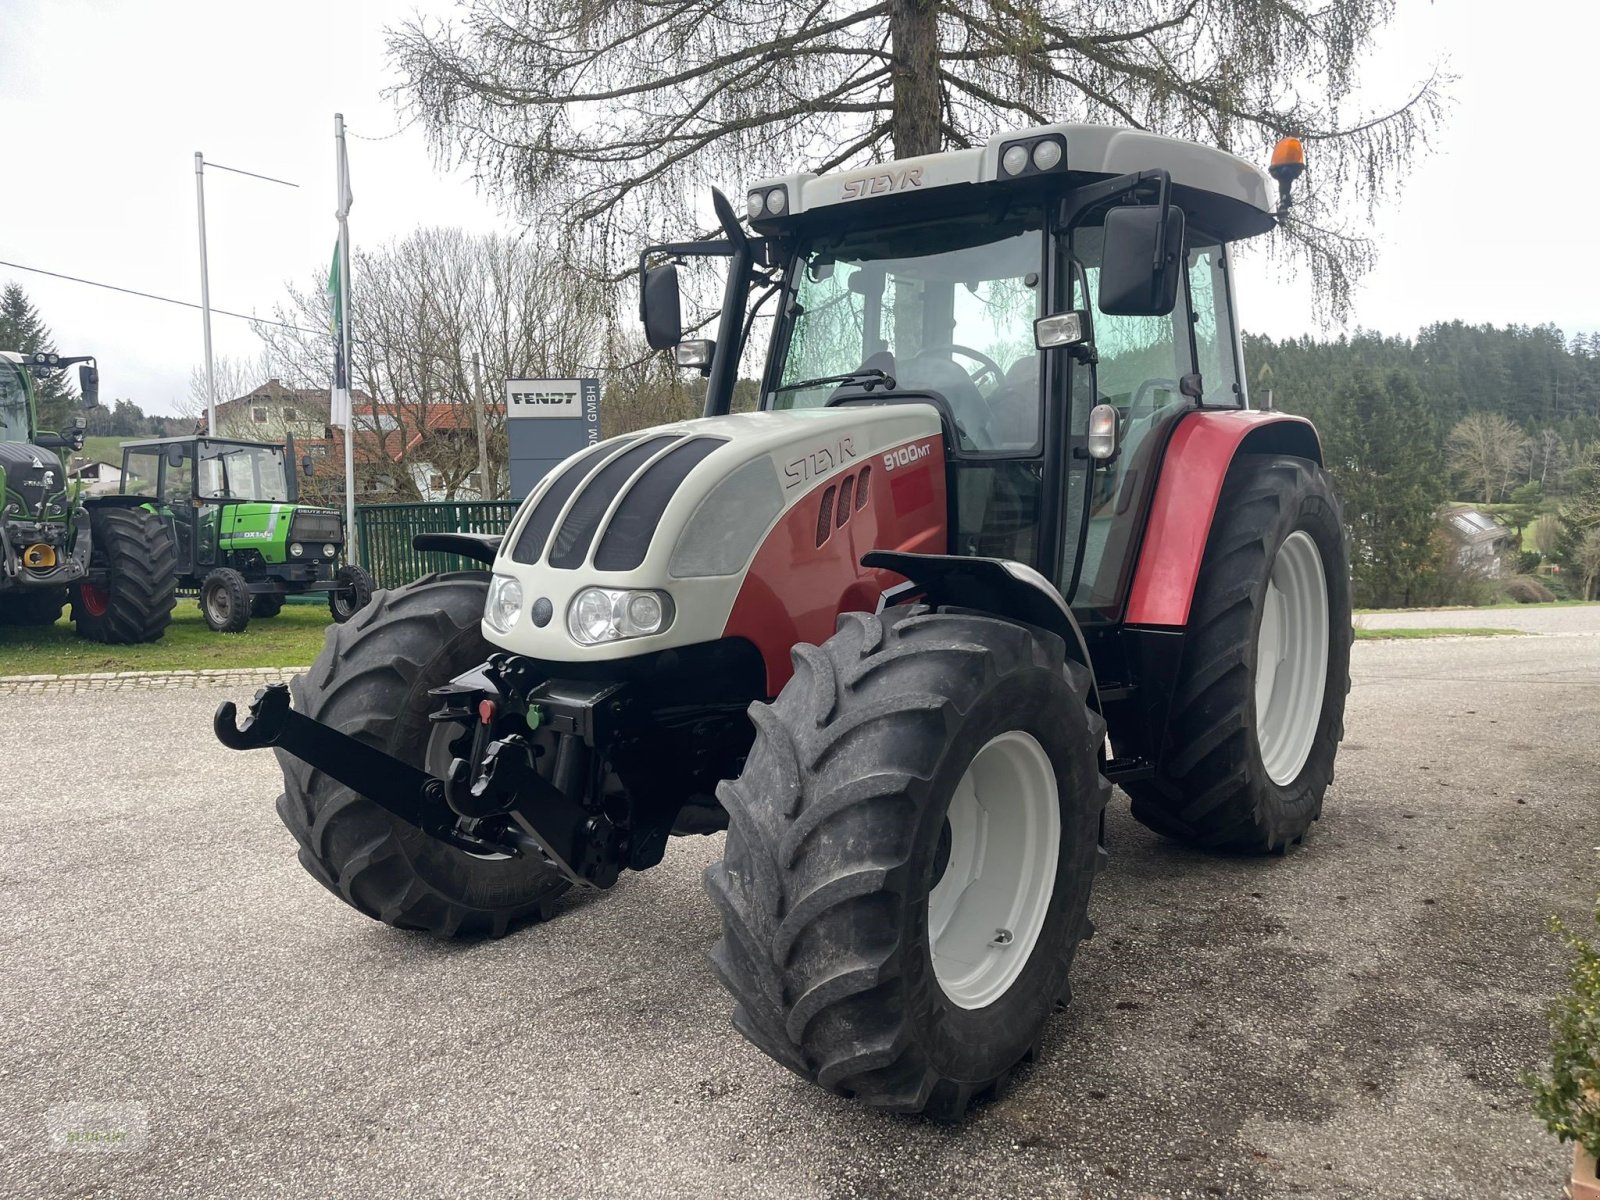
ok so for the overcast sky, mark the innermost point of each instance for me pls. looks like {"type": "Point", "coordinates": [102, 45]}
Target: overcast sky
{"type": "Point", "coordinates": [103, 103]}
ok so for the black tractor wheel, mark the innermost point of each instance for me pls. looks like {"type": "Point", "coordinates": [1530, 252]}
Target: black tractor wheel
{"type": "Point", "coordinates": [909, 856]}
{"type": "Point", "coordinates": [352, 594]}
{"type": "Point", "coordinates": [225, 601]}
{"type": "Point", "coordinates": [265, 605]}
{"type": "Point", "coordinates": [1258, 708]}
{"type": "Point", "coordinates": [371, 680]}
{"type": "Point", "coordinates": [32, 606]}
{"type": "Point", "coordinates": [132, 601]}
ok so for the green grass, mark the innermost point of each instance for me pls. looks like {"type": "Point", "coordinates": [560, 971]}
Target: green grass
{"type": "Point", "coordinates": [1383, 635]}
{"type": "Point", "coordinates": [291, 639]}
{"type": "Point", "coordinates": [1361, 612]}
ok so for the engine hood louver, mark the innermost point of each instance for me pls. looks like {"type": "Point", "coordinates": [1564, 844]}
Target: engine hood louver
{"type": "Point", "coordinates": [631, 479]}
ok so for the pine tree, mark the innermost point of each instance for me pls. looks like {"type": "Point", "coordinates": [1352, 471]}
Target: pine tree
{"type": "Point", "coordinates": [23, 330]}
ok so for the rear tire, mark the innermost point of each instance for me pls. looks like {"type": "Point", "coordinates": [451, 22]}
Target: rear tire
{"type": "Point", "coordinates": [849, 963]}
{"type": "Point", "coordinates": [352, 594]}
{"type": "Point", "coordinates": [265, 606]}
{"type": "Point", "coordinates": [371, 681]}
{"type": "Point", "coordinates": [225, 601]}
{"type": "Point", "coordinates": [32, 607]}
{"type": "Point", "coordinates": [133, 601]}
{"type": "Point", "coordinates": [1234, 778]}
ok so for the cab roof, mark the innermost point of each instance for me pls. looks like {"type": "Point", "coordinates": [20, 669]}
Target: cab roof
{"type": "Point", "coordinates": [1224, 193]}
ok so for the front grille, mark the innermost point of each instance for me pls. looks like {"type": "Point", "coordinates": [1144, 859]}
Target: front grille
{"type": "Point", "coordinates": [572, 540]}
{"type": "Point", "coordinates": [633, 525]}
{"type": "Point", "coordinates": [313, 526]}
{"type": "Point", "coordinates": [530, 543]}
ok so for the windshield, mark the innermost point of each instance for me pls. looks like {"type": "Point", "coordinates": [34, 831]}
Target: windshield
{"type": "Point", "coordinates": [242, 473]}
{"type": "Point", "coordinates": [946, 305]}
{"type": "Point", "coordinates": [13, 404]}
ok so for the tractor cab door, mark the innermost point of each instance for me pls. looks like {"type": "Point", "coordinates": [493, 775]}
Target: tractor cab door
{"type": "Point", "coordinates": [177, 500]}
{"type": "Point", "coordinates": [945, 305]}
{"type": "Point", "coordinates": [1145, 367]}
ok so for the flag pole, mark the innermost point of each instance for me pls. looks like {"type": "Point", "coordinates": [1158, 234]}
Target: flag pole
{"type": "Point", "coordinates": [205, 293]}
{"type": "Point", "coordinates": [352, 544]}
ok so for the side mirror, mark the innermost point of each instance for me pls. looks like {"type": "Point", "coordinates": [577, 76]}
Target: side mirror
{"type": "Point", "coordinates": [1141, 261]}
{"type": "Point", "coordinates": [306, 466]}
{"type": "Point", "coordinates": [89, 384]}
{"type": "Point", "coordinates": [659, 307]}
{"type": "Point", "coordinates": [175, 455]}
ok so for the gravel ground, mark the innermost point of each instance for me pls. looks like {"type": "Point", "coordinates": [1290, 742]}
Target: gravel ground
{"type": "Point", "coordinates": [1347, 1022]}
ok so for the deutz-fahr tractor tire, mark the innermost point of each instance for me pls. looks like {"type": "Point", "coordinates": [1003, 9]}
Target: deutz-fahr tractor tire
{"type": "Point", "coordinates": [353, 593]}
{"type": "Point", "coordinates": [32, 606]}
{"type": "Point", "coordinates": [909, 856]}
{"type": "Point", "coordinates": [134, 603]}
{"type": "Point", "coordinates": [371, 680]}
{"type": "Point", "coordinates": [1258, 709]}
{"type": "Point", "coordinates": [225, 601]}
{"type": "Point", "coordinates": [265, 605]}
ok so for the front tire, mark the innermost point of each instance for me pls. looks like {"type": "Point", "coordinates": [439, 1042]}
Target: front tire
{"type": "Point", "coordinates": [910, 751]}
{"type": "Point", "coordinates": [352, 593]}
{"type": "Point", "coordinates": [131, 601]}
{"type": "Point", "coordinates": [265, 605]}
{"type": "Point", "coordinates": [225, 601]}
{"type": "Point", "coordinates": [1257, 713]}
{"type": "Point", "coordinates": [371, 681]}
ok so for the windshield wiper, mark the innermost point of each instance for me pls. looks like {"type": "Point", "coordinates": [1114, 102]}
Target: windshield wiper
{"type": "Point", "coordinates": [868, 377]}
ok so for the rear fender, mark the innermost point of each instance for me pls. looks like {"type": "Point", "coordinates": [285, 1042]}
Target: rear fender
{"type": "Point", "coordinates": [1196, 464]}
{"type": "Point", "coordinates": [480, 547]}
{"type": "Point", "coordinates": [993, 585]}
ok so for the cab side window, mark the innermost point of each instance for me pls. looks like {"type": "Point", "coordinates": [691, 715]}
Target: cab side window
{"type": "Point", "coordinates": [1214, 348]}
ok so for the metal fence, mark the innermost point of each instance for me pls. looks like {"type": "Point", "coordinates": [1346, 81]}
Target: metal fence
{"type": "Point", "coordinates": [384, 533]}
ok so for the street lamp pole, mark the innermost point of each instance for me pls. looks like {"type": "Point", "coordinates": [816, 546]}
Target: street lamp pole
{"type": "Point", "coordinates": [200, 165]}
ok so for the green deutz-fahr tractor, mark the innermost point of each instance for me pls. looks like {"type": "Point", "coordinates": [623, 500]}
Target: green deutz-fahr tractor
{"type": "Point", "coordinates": [110, 555]}
{"type": "Point", "coordinates": [243, 542]}
{"type": "Point", "coordinates": [1004, 532]}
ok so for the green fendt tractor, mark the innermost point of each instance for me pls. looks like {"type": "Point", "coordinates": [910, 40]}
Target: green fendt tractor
{"type": "Point", "coordinates": [110, 555]}
{"type": "Point", "coordinates": [243, 542]}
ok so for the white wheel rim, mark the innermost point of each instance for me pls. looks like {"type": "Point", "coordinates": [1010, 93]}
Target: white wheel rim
{"type": "Point", "coordinates": [985, 912]}
{"type": "Point", "coordinates": [1291, 658]}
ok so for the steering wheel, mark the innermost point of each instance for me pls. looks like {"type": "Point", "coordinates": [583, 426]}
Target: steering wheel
{"type": "Point", "coordinates": [987, 364]}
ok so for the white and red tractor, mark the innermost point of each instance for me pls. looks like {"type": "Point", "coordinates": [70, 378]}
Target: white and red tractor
{"type": "Point", "coordinates": [1004, 532]}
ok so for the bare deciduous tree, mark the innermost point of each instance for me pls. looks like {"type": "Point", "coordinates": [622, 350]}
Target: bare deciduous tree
{"type": "Point", "coordinates": [1485, 448]}
{"type": "Point", "coordinates": [442, 318]}
{"type": "Point", "coordinates": [607, 116]}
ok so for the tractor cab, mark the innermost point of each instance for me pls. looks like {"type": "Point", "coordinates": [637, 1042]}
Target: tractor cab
{"type": "Point", "coordinates": [243, 541]}
{"type": "Point", "coordinates": [1059, 311]}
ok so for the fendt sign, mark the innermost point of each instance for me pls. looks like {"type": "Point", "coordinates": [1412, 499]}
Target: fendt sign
{"type": "Point", "coordinates": [546, 421]}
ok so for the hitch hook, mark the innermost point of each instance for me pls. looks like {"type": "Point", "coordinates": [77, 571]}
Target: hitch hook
{"type": "Point", "coordinates": [269, 717]}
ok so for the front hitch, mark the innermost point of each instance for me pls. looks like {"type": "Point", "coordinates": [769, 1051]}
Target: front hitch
{"type": "Point", "coordinates": [542, 820]}
{"type": "Point", "coordinates": [394, 786]}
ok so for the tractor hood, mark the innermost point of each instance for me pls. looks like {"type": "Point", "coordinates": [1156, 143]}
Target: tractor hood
{"type": "Point", "coordinates": [682, 510]}
{"type": "Point", "coordinates": [34, 485]}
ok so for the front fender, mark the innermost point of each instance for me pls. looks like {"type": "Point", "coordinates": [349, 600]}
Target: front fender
{"type": "Point", "coordinates": [994, 585]}
{"type": "Point", "coordinates": [1193, 470]}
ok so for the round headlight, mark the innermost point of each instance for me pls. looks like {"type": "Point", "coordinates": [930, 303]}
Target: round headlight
{"type": "Point", "coordinates": [644, 612]}
{"type": "Point", "coordinates": [296, 549]}
{"type": "Point", "coordinates": [503, 605]}
{"type": "Point", "coordinates": [591, 618]}
{"type": "Point", "coordinates": [777, 201]}
{"type": "Point", "coordinates": [1046, 155]}
{"type": "Point", "coordinates": [1014, 160]}
{"type": "Point", "coordinates": [329, 550]}
{"type": "Point", "coordinates": [754, 204]}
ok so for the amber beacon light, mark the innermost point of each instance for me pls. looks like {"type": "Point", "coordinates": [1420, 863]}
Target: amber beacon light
{"type": "Point", "coordinates": [1288, 164]}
